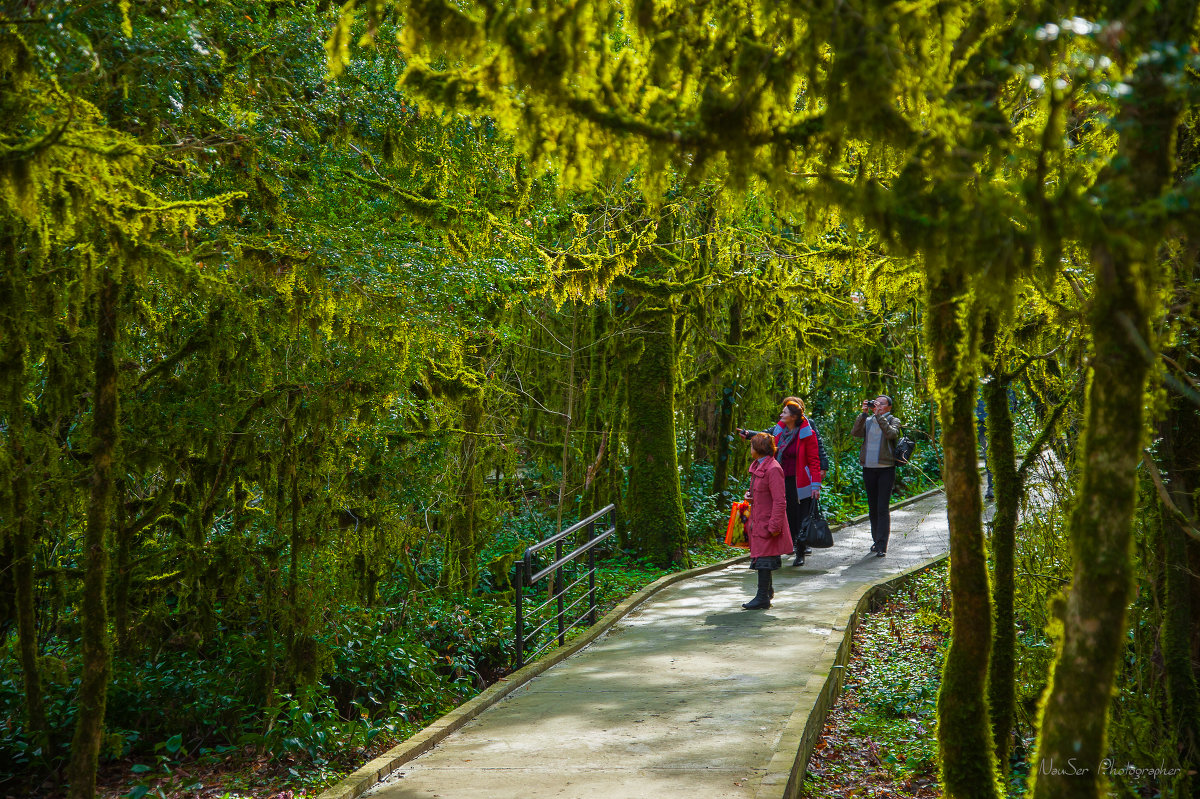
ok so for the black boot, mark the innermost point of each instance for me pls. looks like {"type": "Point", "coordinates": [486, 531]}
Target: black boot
{"type": "Point", "coordinates": [798, 547]}
{"type": "Point", "coordinates": [762, 600]}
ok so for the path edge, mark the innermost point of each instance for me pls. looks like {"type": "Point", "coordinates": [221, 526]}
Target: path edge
{"type": "Point", "coordinates": [383, 766]}
{"type": "Point", "coordinates": [380, 768]}
{"type": "Point", "coordinates": [803, 730]}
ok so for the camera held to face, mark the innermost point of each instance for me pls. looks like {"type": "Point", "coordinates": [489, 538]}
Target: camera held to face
{"type": "Point", "coordinates": [871, 404]}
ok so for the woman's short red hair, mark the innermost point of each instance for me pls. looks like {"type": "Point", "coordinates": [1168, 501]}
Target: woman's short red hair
{"type": "Point", "coordinates": [763, 444]}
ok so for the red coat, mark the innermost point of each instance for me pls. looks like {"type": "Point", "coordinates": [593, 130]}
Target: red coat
{"type": "Point", "coordinates": [808, 459]}
{"type": "Point", "coordinates": [768, 510]}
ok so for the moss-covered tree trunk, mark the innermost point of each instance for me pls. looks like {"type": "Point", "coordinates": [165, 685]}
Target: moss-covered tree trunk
{"type": "Point", "coordinates": [93, 686]}
{"type": "Point", "coordinates": [1180, 435]}
{"type": "Point", "coordinates": [964, 731]}
{"type": "Point", "coordinates": [20, 522]}
{"type": "Point", "coordinates": [657, 525]}
{"type": "Point", "coordinates": [725, 422]}
{"type": "Point", "coordinates": [1007, 491]}
{"type": "Point", "coordinates": [272, 589]}
{"type": "Point", "coordinates": [23, 561]}
{"type": "Point", "coordinates": [568, 418]}
{"type": "Point", "coordinates": [612, 469]}
{"type": "Point", "coordinates": [1073, 732]}
{"type": "Point", "coordinates": [1073, 737]}
{"type": "Point", "coordinates": [19, 514]}
{"type": "Point", "coordinates": [461, 569]}
{"type": "Point", "coordinates": [122, 573]}
{"type": "Point", "coordinates": [591, 420]}
{"type": "Point", "coordinates": [23, 579]}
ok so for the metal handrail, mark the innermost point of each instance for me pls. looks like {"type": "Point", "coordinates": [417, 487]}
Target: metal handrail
{"type": "Point", "coordinates": [566, 559]}
{"type": "Point", "coordinates": [573, 528]}
{"type": "Point", "coordinates": [546, 604]}
{"type": "Point", "coordinates": [527, 579]}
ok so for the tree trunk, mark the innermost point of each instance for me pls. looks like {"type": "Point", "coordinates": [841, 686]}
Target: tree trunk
{"type": "Point", "coordinates": [93, 687]}
{"type": "Point", "coordinates": [728, 401]}
{"type": "Point", "coordinates": [706, 427]}
{"type": "Point", "coordinates": [1180, 434]}
{"type": "Point", "coordinates": [122, 576]}
{"type": "Point", "coordinates": [591, 417]}
{"type": "Point", "coordinates": [1007, 491]}
{"type": "Point", "coordinates": [567, 419]}
{"type": "Point", "coordinates": [612, 470]}
{"type": "Point", "coordinates": [964, 740]}
{"type": "Point", "coordinates": [461, 564]}
{"type": "Point", "coordinates": [1074, 726]}
{"type": "Point", "coordinates": [725, 422]}
{"type": "Point", "coordinates": [658, 527]}
{"type": "Point", "coordinates": [1075, 713]}
{"type": "Point", "coordinates": [23, 562]}
{"type": "Point", "coordinates": [20, 516]}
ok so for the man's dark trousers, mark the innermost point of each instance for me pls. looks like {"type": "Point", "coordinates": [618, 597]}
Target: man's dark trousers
{"type": "Point", "coordinates": [879, 482]}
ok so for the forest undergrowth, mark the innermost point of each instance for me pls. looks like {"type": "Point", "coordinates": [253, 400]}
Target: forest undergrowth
{"type": "Point", "coordinates": [183, 722]}
{"type": "Point", "coordinates": [879, 737]}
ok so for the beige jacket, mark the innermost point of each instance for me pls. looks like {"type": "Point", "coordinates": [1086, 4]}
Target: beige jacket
{"type": "Point", "coordinates": [889, 426]}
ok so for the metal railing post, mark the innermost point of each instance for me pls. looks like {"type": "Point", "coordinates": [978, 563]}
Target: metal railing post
{"type": "Point", "coordinates": [558, 593]}
{"type": "Point", "coordinates": [591, 575]}
{"type": "Point", "coordinates": [523, 573]}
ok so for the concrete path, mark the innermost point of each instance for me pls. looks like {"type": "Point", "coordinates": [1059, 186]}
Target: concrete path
{"type": "Point", "coordinates": [688, 696]}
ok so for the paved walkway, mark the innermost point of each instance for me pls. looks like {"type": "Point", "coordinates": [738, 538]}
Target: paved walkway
{"type": "Point", "coordinates": [689, 695]}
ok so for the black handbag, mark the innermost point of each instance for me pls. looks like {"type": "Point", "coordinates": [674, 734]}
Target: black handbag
{"type": "Point", "coordinates": [818, 535]}
{"type": "Point", "coordinates": [904, 451]}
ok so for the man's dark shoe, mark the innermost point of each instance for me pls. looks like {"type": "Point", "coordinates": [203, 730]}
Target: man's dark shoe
{"type": "Point", "coordinates": [807, 551]}
{"type": "Point", "coordinates": [758, 603]}
{"type": "Point", "coordinates": [873, 548]}
{"type": "Point", "coordinates": [879, 553]}
{"type": "Point", "coordinates": [799, 561]}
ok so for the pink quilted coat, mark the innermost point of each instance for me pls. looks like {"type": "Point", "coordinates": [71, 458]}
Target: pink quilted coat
{"type": "Point", "coordinates": [768, 510]}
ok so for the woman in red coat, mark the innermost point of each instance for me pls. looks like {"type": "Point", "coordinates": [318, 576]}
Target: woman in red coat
{"type": "Point", "coordinates": [798, 452]}
{"type": "Point", "coordinates": [769, 536]}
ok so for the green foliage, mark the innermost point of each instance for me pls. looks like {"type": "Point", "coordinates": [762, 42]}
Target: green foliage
{"type": "Point", "coordinates": [704, 518]}
{"type": "Point", "coordinates": [896, 676]}
{"type": "Point", "coordinates": [383, 677]}
{"type": "Point", "coordinates": [365, 339]}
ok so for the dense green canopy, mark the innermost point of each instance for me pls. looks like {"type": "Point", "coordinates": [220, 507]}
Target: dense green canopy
{"type": "Point", "coordinates": [311, 314]}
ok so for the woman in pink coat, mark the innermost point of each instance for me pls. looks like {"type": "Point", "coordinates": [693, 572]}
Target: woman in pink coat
{"type": "Point", "coordinates": [770, 538]}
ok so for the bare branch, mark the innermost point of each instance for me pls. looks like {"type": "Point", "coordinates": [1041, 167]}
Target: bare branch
{"type": "Point", "coordinates": [1164, 496]}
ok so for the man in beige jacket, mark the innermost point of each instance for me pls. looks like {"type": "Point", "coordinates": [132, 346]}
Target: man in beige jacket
{"type": "Point", "coordinates": [879, 431]}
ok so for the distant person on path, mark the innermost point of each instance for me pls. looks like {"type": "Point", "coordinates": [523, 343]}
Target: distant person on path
{"type": "Point", "coordinates": [981, 429]}
{"type": "Point", "coordinates": [769, 536]}
{"type": "Point", "coordinates": [797, 450]}
{"type": "Point", "coordinates": [879, 431]}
